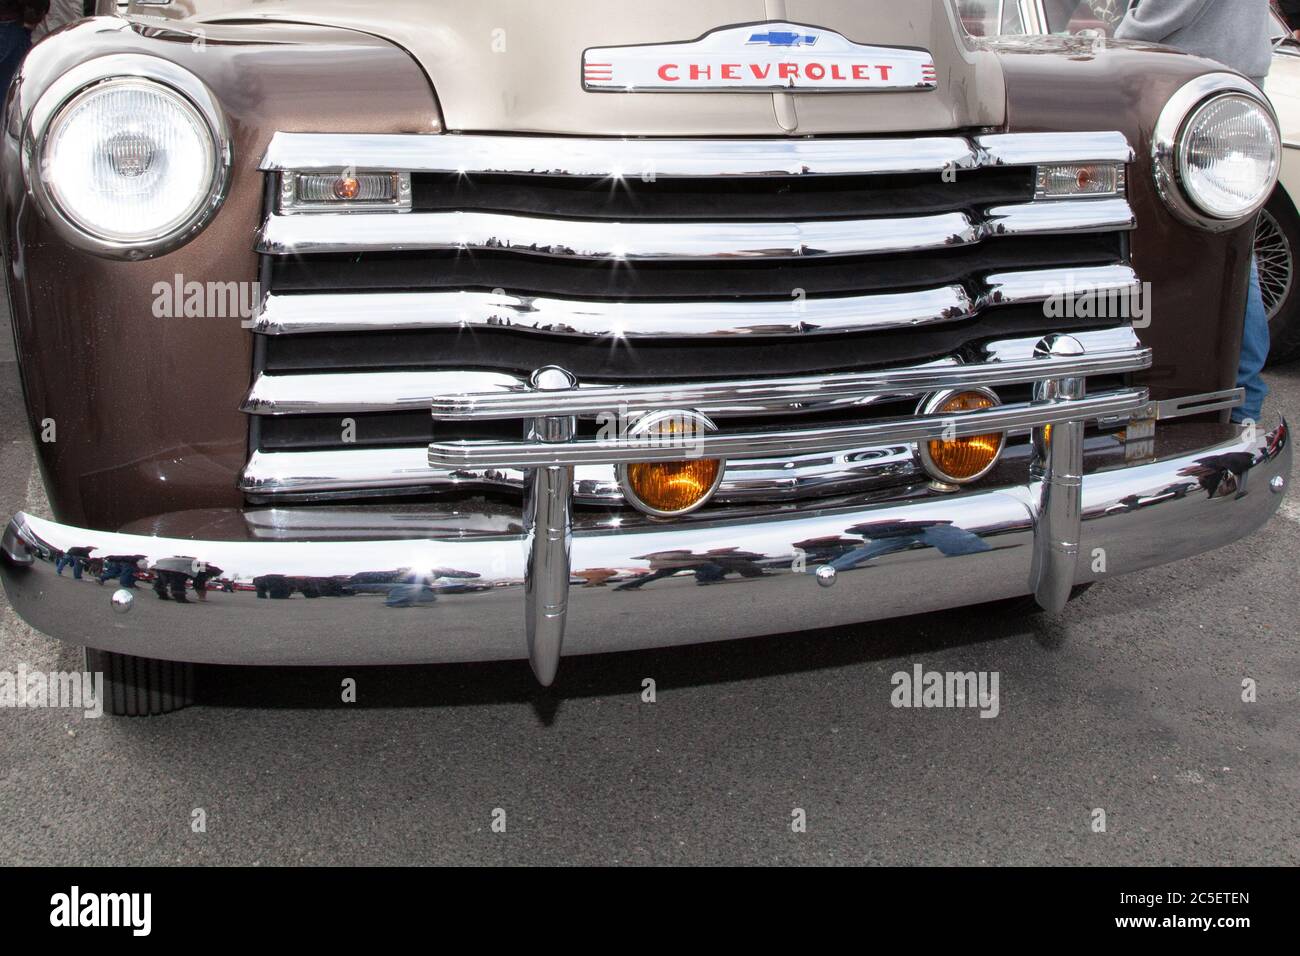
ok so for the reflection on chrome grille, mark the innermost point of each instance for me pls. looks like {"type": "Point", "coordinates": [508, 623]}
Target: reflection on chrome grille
{"type": "Point", "coordinates": [727, 284]}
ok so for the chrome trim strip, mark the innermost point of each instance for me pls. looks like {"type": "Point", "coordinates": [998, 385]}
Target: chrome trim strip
{"type": "Point", "coordinates": [1057, 216]}
{"type": "Point", "coordinates": [473, 154]}
{"type": "Point", "coordinates": [619, 241]}
{"type": "Point", "coordinates": [1031, 149]}
{"type": "Point", "coordinates": [1194, 404]}
{"type": "Point", "coordinates": [327, 392]}
{"type": "Point", "coordinates": [291, 314]}
{"type": "Point", "coordinates": [776, 395]}
{"type": "Point", "coordinates": [490, 454]}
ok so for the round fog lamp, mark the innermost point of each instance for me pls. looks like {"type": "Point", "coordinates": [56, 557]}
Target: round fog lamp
{"type": "Point", "coordinates": [961, 460]}
{"type": "Point", "coordinates": [670, 488]}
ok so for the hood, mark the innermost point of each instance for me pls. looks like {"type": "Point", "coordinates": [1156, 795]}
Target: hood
{"type": "Point", "coordinates": [503, 65]}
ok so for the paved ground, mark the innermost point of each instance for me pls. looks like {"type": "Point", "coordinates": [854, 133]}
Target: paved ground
{"type": "Point", "coordinates": [1133, 706]}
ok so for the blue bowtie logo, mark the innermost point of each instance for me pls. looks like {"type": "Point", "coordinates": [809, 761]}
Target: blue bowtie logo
{"type": "Point", "coordinates": [783, 38]}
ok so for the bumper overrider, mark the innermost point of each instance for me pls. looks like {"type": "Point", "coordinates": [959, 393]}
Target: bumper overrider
{"type": "Point", "coordinates": [452, 587]}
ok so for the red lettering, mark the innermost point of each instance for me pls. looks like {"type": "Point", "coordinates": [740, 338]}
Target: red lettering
{"type": "Point", "coordinates": [664, 74]}
{"type": "Point", "coordinates": [698, 73]}
{"type": "Point", "coordinates": [731, 71]}
{"type": "Point", "coordinates": [860, 71]}
{"type": "Point", "coordinates": [760, 72]}
{"type": "Point", "coordinates": [836, 74]}
{"type": "Point", "coordinates": [786, 71]}
{"type": "Point", "coordinates": [884, 71]}
{"type": "Point", "coordinates": [814, 71]}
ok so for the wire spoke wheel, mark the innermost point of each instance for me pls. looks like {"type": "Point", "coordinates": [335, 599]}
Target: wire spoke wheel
{"type": "Point", "coordinates": [1276, 262]}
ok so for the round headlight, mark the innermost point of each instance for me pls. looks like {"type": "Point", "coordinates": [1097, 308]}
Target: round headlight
{"type": "Point", "coordinates": [1228, 156]}
{"type": "Point", "coordinates": [1217, 152]}
{"type": "Point", "coordinates": [127, 165]}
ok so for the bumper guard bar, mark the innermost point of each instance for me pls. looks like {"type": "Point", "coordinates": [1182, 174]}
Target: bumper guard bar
{"type": "Point", "coordinates": [1056, 416]}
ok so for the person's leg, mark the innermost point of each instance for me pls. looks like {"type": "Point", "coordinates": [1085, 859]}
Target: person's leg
{"type": "Point", "coordinates": [14, 43]}
{"type": "Point", "coordinates": [1254, 352]}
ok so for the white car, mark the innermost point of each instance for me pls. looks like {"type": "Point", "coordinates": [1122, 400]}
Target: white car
{"type": "Point", "coordinates": [1278, 235]}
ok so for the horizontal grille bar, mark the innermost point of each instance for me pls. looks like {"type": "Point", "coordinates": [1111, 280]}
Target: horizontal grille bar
{"type": "Point", "coordinates": [1030, 149]}
{"type": "Point", "coordinates": [620, 158]}
{"type": "Point", "coordinates": [777, 395]}
{"type": "Point", "coordinates": [577, 239]}
{"type": "Point", "coordinates": [362, 391]}
{"type": "Point", "coordinates": [496, 395]}
{"type": "Point", "coordinates": [334, 471]}
{"type": "Point", "coordinates": [687, 240]}
{"type": "Point", "coordinates": [390, 311]}
{"type": "Point", "coordinates": [488, 454]}
{"type": "Point", "coordinates": [1058, 216]}
{"type": "Point", "coordinates": [1039, 285]}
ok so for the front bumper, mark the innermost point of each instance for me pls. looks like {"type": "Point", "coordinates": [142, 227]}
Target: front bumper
{"type": "Point", "coordinates": [460, 595]}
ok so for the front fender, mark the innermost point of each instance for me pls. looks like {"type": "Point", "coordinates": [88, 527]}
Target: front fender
{"type": "Point", "coordinates": [144, 411]}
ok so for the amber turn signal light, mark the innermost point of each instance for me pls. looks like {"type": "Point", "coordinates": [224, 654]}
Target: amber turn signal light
{"type": "Point", "coordinates": [961, 460]}
{"type": "Point", "coordinates": [669, 488]}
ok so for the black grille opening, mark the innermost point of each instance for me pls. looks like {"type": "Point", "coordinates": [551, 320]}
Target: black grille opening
{"type": "Point", "coordinates": [611, 360]}
{"type": "Point", "coordinates": [722, 199]}
{"type": "Point", "coordinates": [666, 281]}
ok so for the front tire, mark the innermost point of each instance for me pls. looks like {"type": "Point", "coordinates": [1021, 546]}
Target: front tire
{"type": "Point", "coordinates": [141, 686]}
{"type": "Point", "coordinates": [1277, 244]}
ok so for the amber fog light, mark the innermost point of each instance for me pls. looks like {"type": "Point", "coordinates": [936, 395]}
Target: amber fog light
{"type": "Point", "coordinates": [670, 488]}
{"type": "Point", "coordinates": [961, 460]}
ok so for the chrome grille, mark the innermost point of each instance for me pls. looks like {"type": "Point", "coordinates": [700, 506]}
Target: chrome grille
{"type": "Point", "coordinates": [382, 317]}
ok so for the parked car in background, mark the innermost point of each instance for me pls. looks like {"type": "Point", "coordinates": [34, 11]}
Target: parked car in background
{"type": "Point", "coordinates": [1277, 237]}
{"type": "Point", "coordinates": [580, 333]}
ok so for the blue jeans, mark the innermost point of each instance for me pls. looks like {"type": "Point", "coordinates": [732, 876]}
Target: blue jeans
{"type": "Point", "coordinates": [1254, 352]}
{"type": "Point", "coordinates": [15, 40]}
{"type": "Point", "coordinates": [72, 561]}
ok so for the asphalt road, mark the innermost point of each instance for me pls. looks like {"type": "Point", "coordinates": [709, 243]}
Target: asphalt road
{"type": "Point", "coordinates": [1131, 704]}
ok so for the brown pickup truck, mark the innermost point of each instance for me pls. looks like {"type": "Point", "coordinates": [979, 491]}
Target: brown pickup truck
{"type": "Point", "coordinates": [393, 333]}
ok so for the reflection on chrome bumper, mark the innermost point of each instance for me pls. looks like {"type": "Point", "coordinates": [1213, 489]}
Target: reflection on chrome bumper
{"type": "Point", "coordinates": [460, 597]}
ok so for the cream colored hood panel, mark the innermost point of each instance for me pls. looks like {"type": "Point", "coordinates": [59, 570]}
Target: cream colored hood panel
{"type": "Point", "coordinates": [499, 65]}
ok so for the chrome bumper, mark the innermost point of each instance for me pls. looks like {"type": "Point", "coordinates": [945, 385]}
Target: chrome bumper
{"type": "Point", "coordinates": [460, 595]}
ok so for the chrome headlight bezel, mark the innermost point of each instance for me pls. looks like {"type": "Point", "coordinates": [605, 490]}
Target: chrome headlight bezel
{"type": "Point", "coordinates": [77, 82]}
{"type": "Point", "coordinates": [1167, 143]}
